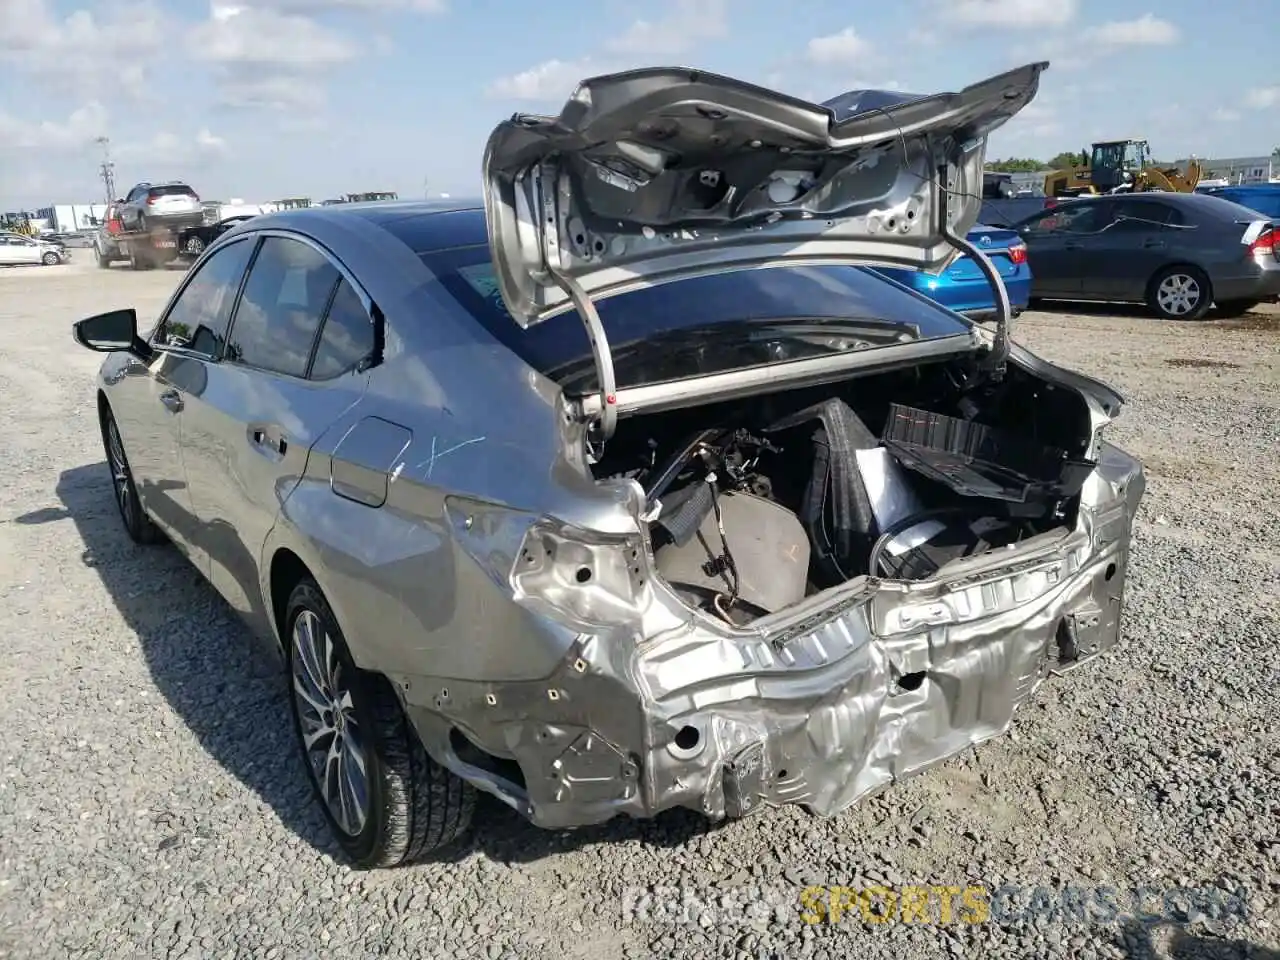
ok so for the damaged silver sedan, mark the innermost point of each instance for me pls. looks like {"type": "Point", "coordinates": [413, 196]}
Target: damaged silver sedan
{"type": "Point", "coordinates": [632, 488]}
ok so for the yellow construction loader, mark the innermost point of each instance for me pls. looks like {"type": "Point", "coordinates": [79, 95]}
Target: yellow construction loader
{"type": "Point", "coordinates": [1119, 166]}
{"type": "Point", "coordinates": [18, 223]}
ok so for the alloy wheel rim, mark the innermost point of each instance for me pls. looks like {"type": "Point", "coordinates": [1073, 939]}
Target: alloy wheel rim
{"type": "Point", "coordinates": [331, 734]}
{"type": "Point", "coordinates": [119, 468]}
{"type": "Point", "coordinates": [1178, 294]}
{"type": "Point", "coordinates": [195, 245]}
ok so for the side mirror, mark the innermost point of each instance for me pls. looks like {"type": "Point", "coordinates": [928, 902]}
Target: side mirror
{"type": "Point", "coordinates": [110, 332]}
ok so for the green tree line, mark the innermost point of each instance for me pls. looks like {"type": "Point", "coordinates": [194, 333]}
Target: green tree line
{"type": "Point", "coordinates": [1030, 165]}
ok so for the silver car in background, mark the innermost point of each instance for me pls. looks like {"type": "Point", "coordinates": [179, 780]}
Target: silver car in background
{"type": "Point", "coordinates": [631, 489]}
{"type": "Point", "coordinates": [172, 204]}
{"type": "Point", "coordinates": [18, 250]}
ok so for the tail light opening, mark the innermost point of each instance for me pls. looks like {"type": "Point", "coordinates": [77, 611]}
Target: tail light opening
{"type": "Point", "coordinates": [1265, 243]}
{"type": "Point", "coordinates": [585, 577]}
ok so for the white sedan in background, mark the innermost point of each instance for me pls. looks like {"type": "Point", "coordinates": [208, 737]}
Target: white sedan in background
{"type": "Point", "coordinates": [16, 249]}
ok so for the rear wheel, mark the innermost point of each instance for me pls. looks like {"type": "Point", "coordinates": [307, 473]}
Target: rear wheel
{"type": "Point", "coordinates": [1180, 293]}
{"type": "Point", "coordinates": [1234, 308]}
{"type": "Point", "coordinates": [387, 802]}
{"type": "Point", "coordinates": [103, 260]}
{"type": "Point", "coordinates": [136, 522]}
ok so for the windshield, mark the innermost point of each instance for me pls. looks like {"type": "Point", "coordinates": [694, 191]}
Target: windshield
{"type": "Point", "coordinates": [727, 321]}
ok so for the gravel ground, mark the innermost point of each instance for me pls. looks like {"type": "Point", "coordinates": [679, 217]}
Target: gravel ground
{"type": "Point", "coordinates": [151, 804]}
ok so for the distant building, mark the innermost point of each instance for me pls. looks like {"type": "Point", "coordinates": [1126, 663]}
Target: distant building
{"type": "Point", "coordinates": [1238, 169]}
{"type": "Point", "coordinates": [69, 217]}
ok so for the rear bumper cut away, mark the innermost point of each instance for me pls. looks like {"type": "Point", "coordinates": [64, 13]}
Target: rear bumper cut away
{"type": "Point", "coordinates": [861, 686]}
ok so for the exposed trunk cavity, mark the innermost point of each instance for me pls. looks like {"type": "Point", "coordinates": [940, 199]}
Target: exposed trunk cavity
{"type": "Point", "coordinates": [755, 504]}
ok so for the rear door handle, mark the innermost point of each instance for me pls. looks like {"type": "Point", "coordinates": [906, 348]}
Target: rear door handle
{"type": "Point", "coordinates": [1152, 244]}
{"type": "Point", "coordinates": [172, 400]}
{"type": "Point", "coordinates": [266, 440]}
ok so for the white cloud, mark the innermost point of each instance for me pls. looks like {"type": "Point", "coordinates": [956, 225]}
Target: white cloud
{"type": "Point", "coordinates": [683, 27]}
{"type": "Point", "coordinates": [1260, 98]}
{"type": "Point", "coordinates": [548, 81]}
{"type": "Point", "coordinates": [862, 84]}
{"type": "Point", "coordinates": [73, 135]}
{"type": "Point", "coordinates": [111, 47]}
{"type": "Point", "coordinates": [264, 38]}
{"type": "Point", "coordinates": [265, 59]}
{"type": "Point", "coordinates": [367, 6]}
{"type": "Point", "coordinates": [1146, 30]}
{"type": "Point", "coordinates": [1223, 115]}
{"type": "Point", "coordinates": [166, 148]}
{"type": "Point", "coordinates": [839, 49]}
{"type": "Point", "coordinates": [1013, 14]}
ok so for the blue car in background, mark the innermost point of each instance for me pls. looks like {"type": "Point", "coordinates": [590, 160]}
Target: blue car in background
{"type": "Point", "coordinates": [962, 286]}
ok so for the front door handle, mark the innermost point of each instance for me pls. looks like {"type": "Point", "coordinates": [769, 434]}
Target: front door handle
{"type": "Point", "coordinates": [172, 400]}
{"type": "Point", "coordinates": [1152, 244]}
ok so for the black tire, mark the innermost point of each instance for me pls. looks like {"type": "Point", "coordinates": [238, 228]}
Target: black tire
{"type": "Point", "coordinates": [1234, 308]}
{"type": "Point", "coordinates": [193, 247]}
{"type": "Point", "coordinates": [415, 805]}
{"type": "Point", "coordinates": [103, 260]}
{"type": "Point", "coordinates": [136, 522]}
{"type": "Point", "coordinates": [51, 259]}
{"type": "Point", "coordinates": [1196, 297]}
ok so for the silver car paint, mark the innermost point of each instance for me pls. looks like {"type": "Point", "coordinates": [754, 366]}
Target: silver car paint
{"type": "Point", "coordinates": [410, 492]}
{"type": "Point", "coordinates": [605, 193]}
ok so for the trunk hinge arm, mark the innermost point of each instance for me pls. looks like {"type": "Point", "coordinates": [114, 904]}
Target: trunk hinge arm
{"type": "Point", "coordinates": [995, 363]}
{"type": "Point", "coordinates": [600, 350]}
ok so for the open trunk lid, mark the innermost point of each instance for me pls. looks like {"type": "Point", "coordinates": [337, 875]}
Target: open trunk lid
{"type": "Point", "coordinates": [661, 174]}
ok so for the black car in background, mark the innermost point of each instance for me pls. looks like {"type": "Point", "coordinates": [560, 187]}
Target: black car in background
{"type": "Point", "coordinates": [193, 240]}
{"type": "Point", "coordinates": [1179, 253]}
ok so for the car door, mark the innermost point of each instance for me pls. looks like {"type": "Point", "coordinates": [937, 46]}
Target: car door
{"type": "Point", "coordinates": [150, 409]}
{"type": "Point", "coordinates": [246, 438]}
{"type": "Point", "coordinates": [130, 210]}
{"type": "Point", "coordinates": [18, 250]}
{"type": "Point", "coordinates": [1118, 261]}
{"type": "Point", "coordinates": [1053, 240]}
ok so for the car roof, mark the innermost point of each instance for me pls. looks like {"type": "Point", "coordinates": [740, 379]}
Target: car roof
{"type": "Point", "coordinates": [424, 226]}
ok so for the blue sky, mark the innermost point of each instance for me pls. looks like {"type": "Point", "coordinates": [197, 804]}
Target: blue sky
{"type": "Point", "coordinates": [259, 99]}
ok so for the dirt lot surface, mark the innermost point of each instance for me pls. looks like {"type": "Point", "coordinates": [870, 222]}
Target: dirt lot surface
{"type": "Point", "coordinates": [152, 804]}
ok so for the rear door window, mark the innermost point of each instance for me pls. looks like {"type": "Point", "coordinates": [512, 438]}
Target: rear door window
{"type": "Point", "coordinates": [198, 319]}
{"type": "Point", "coordinates": [346, 338]}
{"type": "Point", "coordinates": [289, 288]}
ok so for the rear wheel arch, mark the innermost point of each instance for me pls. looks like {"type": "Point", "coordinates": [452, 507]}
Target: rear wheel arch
{"type": "Point", "coordinates": [286, 572]}
{"type": "Point", "coordinates": [416, 805]}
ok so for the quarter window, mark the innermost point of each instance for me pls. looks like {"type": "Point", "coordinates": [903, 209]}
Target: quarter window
{"type": "Point", "coordinates": [198, 319]}
{"type": "Point", "coordinates": [288, 290]}
{"type": "Point", "coordinates": [347, 337]}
